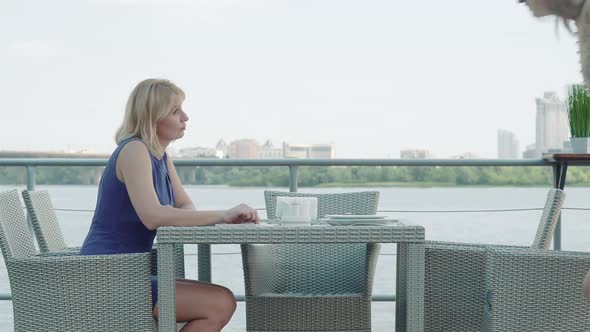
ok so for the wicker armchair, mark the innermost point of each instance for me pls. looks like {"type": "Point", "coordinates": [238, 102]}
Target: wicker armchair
{"type": "Point", "coordinates": [533, 290]}
{"type": "Point", "coordinates": [71, 292]}
{"type": "Point", "coordinates": [312, 287]}
{"type": "Point", "coordinates": [50, 238]}
{"type": "Point", "coordinates": [455, 275]}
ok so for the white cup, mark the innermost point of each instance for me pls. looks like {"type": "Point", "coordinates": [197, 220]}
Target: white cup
{"type": "Point", "coordinates": [300, 210]}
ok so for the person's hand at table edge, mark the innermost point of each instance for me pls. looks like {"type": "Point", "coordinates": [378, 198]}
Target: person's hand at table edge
{"type": "Point", "coordinates": [241, 214]}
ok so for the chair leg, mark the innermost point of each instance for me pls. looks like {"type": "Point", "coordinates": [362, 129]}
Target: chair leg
{"type": "Point", "coordinates": [400, 291]}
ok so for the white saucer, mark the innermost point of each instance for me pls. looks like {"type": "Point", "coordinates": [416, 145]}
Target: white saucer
{"type": "Point", "coordinates": [294, 220]}
{"type": "Point", "coordinates": [354, 216]}
{"type": "Point", "coordinates": [359, 222]}
{"type": "Point", "coordinates": [293, 224]}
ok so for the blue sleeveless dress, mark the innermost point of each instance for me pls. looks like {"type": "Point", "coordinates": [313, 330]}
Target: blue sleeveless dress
{"type": "Point", "coordinates": [116, 227]}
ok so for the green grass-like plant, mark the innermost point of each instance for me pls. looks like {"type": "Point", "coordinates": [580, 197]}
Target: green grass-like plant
{"type": "Point", "coordinates": [578, 110]}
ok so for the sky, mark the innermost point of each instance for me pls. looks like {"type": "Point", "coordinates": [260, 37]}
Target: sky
{"type": "Point", "coordinates": [371, 76]}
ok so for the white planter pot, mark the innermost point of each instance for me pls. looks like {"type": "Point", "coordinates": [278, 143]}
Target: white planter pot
{"type": "Point", "coordinates": [580, 144]}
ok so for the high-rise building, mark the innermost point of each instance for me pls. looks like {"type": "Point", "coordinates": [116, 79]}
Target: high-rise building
{"type": "Point", "coordinates": [508, 146]}
{"type": "Point", "coordinates": [552, 125]}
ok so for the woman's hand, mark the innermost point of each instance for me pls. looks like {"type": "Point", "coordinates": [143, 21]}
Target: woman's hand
{"type": "Point", "coordinates": [241, 214]}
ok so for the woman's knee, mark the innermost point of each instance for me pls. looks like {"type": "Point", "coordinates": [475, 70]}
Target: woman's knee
{"type": "Point", "coordinates": [228, 300]}
{"type": "Point", "coordinates": [225, 303]}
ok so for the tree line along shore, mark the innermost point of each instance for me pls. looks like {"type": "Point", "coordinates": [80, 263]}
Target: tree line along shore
{"type": "Point", "coordinates": [332, 176]}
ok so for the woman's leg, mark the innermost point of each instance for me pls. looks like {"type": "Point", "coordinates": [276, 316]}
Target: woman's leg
{"type": "Point", "coordinates": [587, 286]}
{"type": "Point", "coordinates": [205, 307]}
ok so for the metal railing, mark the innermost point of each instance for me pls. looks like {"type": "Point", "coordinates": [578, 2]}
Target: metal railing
{"type": "Point", "coordinates": [204, 251]}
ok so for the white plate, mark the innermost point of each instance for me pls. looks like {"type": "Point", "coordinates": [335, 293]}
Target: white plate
{"type": "Point", "coordinates": [354, 216]}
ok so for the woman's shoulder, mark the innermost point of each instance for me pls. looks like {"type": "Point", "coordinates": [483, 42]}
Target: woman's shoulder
{"type": "Point", "coordinates": [129, 140]}
{"type": "Point", "coordinates": [134, 148]}
{"type": "Point", "coordinates": [132, 157]}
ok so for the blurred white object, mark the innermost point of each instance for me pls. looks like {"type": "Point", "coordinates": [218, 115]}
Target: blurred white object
{"type": "Point", "coordinates": [297, 209]}
{"type": "Point", "coordinates": [568, 9]}
{"type": "Point", "coordinates": [576, 10]}
{"type": "Point", "coordinates": [583, 24]}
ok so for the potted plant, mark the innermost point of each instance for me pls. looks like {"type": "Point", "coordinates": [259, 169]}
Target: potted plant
{"type": "Point", "coordinates": [578, 113]}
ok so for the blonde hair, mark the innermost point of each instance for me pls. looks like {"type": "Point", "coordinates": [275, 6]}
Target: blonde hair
{"type": "Point", "coordinates": [150, 101]}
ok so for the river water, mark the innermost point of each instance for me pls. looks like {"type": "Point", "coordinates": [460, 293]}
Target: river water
{"type": "Point", "coordinates": [513, 228]}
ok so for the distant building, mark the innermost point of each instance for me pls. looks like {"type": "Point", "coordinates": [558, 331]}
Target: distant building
{"type": "Point", "coordinates": [415, 154]}
{"type": "Point", "coordinates": [531, 152]}
{"type": "Point", "coordinates": [508, 146]}
{"type": "Point", "coordinates": [308, 151]}
{"type": "Point", "coordinates": [268, 151]}
{"type": "Point", "coordinates": [243, 149]}
{"type": "Point", "coordinates": [196, 152]}
{"type": "Point", "coordinates": [321, 151]}
{"type": "Point", "coordinates": [466, 155]}
{"type": "Point", "coordinates": [221, 149]}
{"type": "Point", "coordinates": [552, 126]}
{"type": "Point", "coordinates": [250, 149]}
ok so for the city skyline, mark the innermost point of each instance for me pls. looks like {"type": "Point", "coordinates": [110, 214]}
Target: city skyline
{"type": "Point", "coordinates": [552, 134]}
{"type": "Point", "coordinates": [369, 76]}
{"type": "Point", "coordinates": [508, 148]}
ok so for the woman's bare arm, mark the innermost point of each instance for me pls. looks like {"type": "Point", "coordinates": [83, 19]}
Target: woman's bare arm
{"type": "Point", "coordinates": [135, 170]}
{"type": "Point", "coordinates": [183, 201]}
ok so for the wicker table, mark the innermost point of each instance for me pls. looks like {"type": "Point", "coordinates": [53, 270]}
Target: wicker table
{"type": "Point", "coordinates": [561, 161]}
{"type": "Point", "coordinates": [409, 305]}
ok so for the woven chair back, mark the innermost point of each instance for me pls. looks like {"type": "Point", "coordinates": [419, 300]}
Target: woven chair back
{"type": "Point", "coordinates": [16, 240]}
{"type": "Point", "coordinates": [549, 219]}
{"type": "Point", "coordinates": [362, 202]}
{"type": "Point", "coordinates": [45, 224]}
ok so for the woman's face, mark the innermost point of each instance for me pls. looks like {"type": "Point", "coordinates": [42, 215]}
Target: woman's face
{"type": "Point", "coordinates": [173, 125]}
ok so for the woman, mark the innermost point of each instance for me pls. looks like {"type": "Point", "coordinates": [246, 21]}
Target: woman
{"type": "Point", "coordinates": [140, 191]}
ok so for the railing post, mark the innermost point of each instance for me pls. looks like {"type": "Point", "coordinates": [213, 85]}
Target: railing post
{"type": "Point", "coordinates": [31, 174]}
{"type": "Point", "coordinates": [293, 178]}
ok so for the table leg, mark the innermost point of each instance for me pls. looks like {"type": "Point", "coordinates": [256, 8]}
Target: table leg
{"type": "Point", "coordinates": [204, 262]}
{"type": "Point", "coordinates": [166, 288]}
{"type": "Point", "coordinates": [415, 287]}
{"type": "Point", "coordinates": [560, 172]}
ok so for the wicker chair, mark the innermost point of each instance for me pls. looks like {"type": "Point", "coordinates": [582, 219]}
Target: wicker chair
{"type": "Point", "coordinates": [312, 287]}
{"type": "Point", "coordinates": [533, 290]}
{"type": "Point", "coordinates": [49, 235]}
{"type": "Point", "coordinates": [455, 275]}
{"type": "Point", "coordinates": [71, 292]}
